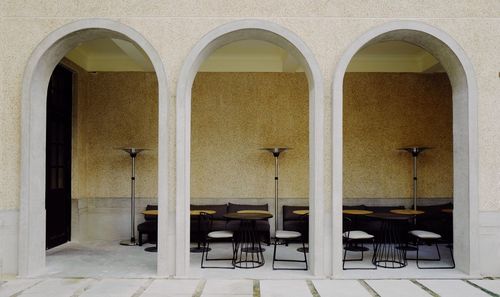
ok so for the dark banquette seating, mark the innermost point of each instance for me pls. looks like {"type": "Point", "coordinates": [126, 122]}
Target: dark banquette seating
{"type": "Point", "coordinates": [149, 227]}
{"type": "Point", "coordinates": [295, 222]}
{"type": "Point", "coordinates": [220, 223]}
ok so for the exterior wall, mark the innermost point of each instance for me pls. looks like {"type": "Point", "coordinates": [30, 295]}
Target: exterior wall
{"type": "Point", "coordinates": [328, 28]}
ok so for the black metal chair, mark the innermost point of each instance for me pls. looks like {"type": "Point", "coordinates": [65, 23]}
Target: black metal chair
{"type": "Point", "coordinates": [283, 237]}
{"type": "Point", "coordinates": [352, 238]}
{"type": "Point", "coordinates": [422, 236]}
{"type": "Point", "coordinates": [208, 235]}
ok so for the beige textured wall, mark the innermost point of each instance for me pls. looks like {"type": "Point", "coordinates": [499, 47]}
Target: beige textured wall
{"type": "Point", "coordinates": [327, 27]}
{"type": "Point", "coordinates": [236, 114]}
{"type": "Point", "coordinates": [386, 111]}
{"type": "Point", "coordinates": [119, 109]}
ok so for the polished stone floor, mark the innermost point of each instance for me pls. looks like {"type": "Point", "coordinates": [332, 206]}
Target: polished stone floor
{"type": "Point", "coordinates": [147, 287]}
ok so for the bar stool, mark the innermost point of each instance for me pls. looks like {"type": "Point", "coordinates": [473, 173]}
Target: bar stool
{"type": "Point", "coordinates": [430, 237]}
{"type": "Point", "coordinates": [282, 238]}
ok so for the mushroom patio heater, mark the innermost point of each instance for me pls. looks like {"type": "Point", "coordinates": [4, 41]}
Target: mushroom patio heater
{"type": "Point", "coordinates": [133, 152]}
{"type": "Point", "coordinates": [414, 151]}
{"type": "Point", "coordinates": [276, 151]}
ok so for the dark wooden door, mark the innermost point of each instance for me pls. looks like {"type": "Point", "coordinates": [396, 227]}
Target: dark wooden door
{"type": "Point", "coordinates": [58, 158]}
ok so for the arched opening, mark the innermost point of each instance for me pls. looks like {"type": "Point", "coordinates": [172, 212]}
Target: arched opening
{"type": "Point", "coordinates": [282, 38]}
{"type": "Point", "coordinates": [463, 89]}
{"type": "Point", "coordinates": [45, 58]}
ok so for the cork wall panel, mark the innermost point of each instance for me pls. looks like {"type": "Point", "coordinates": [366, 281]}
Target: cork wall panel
{"type": "Point", "coordinates": [236, 114]}
{"type": "Point", "coordinates": [386, 111]}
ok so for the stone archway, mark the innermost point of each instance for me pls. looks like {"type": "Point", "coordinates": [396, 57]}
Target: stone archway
{"type": "Point", "coordinates": [280, 36]}
{"type": "Point", "coordinates": [36, 77]}
{"type": "Point", "coordinates": [465, 161]}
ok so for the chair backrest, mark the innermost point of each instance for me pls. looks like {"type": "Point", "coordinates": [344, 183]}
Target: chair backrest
{"type": "Point", "coordinates": [220, 209]}
{"type": "Point", "coordinates": [346, 224]}
{"type": "Point", "coordinates": [205, 224]}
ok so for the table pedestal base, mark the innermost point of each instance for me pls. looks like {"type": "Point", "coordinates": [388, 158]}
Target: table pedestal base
{"type": "Point", "coordinates": [248, 249]}
{"type": "Point", "coordinates": [387, 254]}
{"type": "Point", "coordinates": [128, 242]}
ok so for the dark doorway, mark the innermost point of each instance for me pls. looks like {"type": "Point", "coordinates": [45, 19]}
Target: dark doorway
{"type": "Point", "coordinates": [58, 158]}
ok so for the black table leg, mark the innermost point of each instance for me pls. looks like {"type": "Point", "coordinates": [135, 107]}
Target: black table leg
{"type": "Point", "coordinates": [249, 252]}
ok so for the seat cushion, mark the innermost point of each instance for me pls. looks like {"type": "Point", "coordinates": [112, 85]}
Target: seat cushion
{"type": "Point", "coordinates": [357, 234]}
{"type": "Point", "coordinates": [148, 227]}
{"type": "Point", "coordinates": [236, 207]}
{"type": "Point", "coordinates": [260, 226]}
{"type": "Point", "coordinates": [220, 234]}
{"type": "Point", "coordinates": [424, 234]}
{"type": "Point", "coordinates": [284, 234]}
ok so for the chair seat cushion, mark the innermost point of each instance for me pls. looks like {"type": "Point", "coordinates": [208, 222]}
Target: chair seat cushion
{"type": "Point", "coordinates": [425, 234]}
{"type": "Point", "coordinates": [220, 234]}
{"type": "Point", "coordinates": [357, 234]}
{"type": "Point", "coordinates": [287, 234]}
{"type": "Point", "coordinates": [148, 227]}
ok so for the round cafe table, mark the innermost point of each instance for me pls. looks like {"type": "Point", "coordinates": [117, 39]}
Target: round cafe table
{"type": "Point", "coordinates": [357, 212]}
{"type": "Point", "coordinates": [302, 212]}
{"type": "Point", "coordinates": [248, 253]}
{"type": "Point", "coordinates": [387, 254]}
{"type": "Point", "coordinates": [152, 212]}
{"type": "Point", "coordinates": [197, 213]}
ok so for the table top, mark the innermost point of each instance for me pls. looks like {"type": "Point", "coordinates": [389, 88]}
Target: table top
{"type": "Point", "coordinates": [357, 212]}
{"type": "Point", "coordinates": [151, 212]}
{"type": "Point", "coordinates": [447, 210]}
{"type": "Point", "coordinates": [197, 212]}
{"type": "Point", "coordinates": [407, 211]}
{"type": "Point", "coordinates": [301, 212]}
{"type": "Point", "coordinates": [253, 211]}
{"type": "Point", "coordinates": [390, 216]}
{"type": "Point", "coordinates": [248, 216]}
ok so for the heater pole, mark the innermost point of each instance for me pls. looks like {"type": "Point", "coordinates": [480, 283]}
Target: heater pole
{"type": "Point", "coordinates": [133, 154]}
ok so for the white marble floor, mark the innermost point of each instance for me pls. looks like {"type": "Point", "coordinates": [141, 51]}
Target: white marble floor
{"type": "Point", "coordinates": [82, 287]}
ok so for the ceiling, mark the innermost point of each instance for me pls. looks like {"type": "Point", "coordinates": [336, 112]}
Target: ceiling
{"type": "Point", "coordinates": [253, 56]}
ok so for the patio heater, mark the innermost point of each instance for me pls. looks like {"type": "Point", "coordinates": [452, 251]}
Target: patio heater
{"type": "Point", "coordinates": [414, 151]}
{"type": "Point", "coordinates": [276, 151]}
{"type": "Point", "coordinates": [133, 152]}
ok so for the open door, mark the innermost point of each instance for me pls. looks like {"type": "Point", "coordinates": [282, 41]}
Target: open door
{"type": "Point", "coordinates": [58, 158]}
